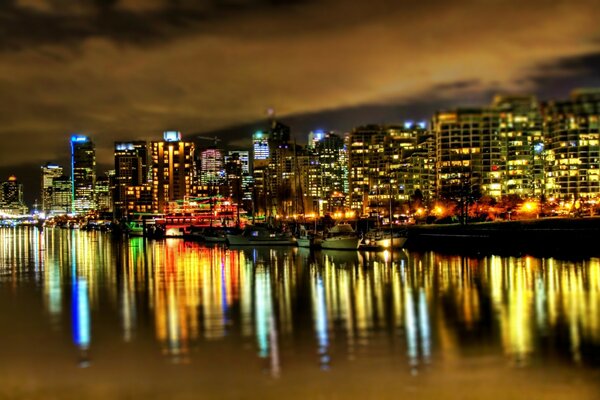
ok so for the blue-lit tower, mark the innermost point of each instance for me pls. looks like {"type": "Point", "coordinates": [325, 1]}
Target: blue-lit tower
{"type": "Point", "coordinates": [83, 174]}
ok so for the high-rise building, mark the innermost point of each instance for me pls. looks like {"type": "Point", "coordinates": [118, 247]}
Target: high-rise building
{"type": "Point", "coordinates": [11, 197]}
{"type": "Point", "coordinates": [413, 167]}
{"type": "Point", "coordinates": [131, 169]}
{"type": "Point", "coordinates": [212, 171]}
{"type": "Point", "coordinates": [260, 146]}
{"type": "Point", "coordinates": [365, 150]}
{"type": "Point", "coordinates": [103, 191]}
{"type": "Point", "coordinates": [138, 199]}
{"type": "Point", "coordinates": [12, 191]}
{"type": "Point", "coordinates": [274, 170]}
{"type": "Point", "coordinates": [62, 196]}
{"type": "Point", "coordinates": [237, 166]}
{"type": "Point", "coordinates": [83, 174]}
{"type": "Point", "coordinates": [469, 153]}
{"type": "Point", "coordinates": [173, 170]}
{"type": "Point", "coordinates": [520, 128]}
{"type": "Point", "coordinates": [572, 152]}
{"type": "Point", "coordinates": [260, 170]}
{"type": "Point", "coordinates": [326, 171]}
{"type": "Point", "coordinates": [375, 157]}
{"type": "Point", "coordinates": [49, 172]}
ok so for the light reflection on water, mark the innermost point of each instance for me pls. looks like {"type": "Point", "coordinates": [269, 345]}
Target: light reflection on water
{"type": "Point", "coordinates": [326, 307]}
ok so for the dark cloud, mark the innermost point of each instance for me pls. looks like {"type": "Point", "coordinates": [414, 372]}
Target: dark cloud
{"type": "Point", "coordinates": [566, 74]}
{"type": "Point", "coordinates": [129, 69]}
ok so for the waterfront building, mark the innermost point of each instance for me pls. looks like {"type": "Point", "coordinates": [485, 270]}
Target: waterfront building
{"type": "Point", "coordinates": [274, 170]}
{"type": "Point", "coordinates": [212, 170]}
{"type": "Point", "coordinates": [62, 192]}
{"type": "Point", "coordinates": [260, 171]}
{"type": "Point", "coordinates": [521, 142]}
{"type": "Point", "coordinates": [239, 178]}
{"type": "Point", "coordinates": [138, 199]}
{"type": "Point", "coordinates": [173, 171]}
{"type": "Point", "coordinates": [326, 171]}
{"type": "Point", "coordinates": [131, 169]}
{"type": "Point", "coordinates": [104, 189]}
{"type": "Point", "coordinates": [11, 197]}
{"type": "Point", "coordinates": [281, 169]}
{"type": "Point", "coordinates": [49, 172]}
{"type": "Point", "coordinates": [572, 151]}
{"type": "Point", "coordinates": [468, 153]}
{"type": "Point", "coordinates": [365, 149]}
{"type": "Point", "coordinates": [83, 174]}
{"type": "Point", "coordinates": [376, 164]}
{"type": "Point", "coordinates": [414, 170]}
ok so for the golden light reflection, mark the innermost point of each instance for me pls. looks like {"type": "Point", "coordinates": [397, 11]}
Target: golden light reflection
{"type": "Point", "coordinates": [425, 307]}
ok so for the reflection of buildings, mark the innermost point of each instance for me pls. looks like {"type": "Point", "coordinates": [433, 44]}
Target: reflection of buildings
{"type": "Point", "coordinates": [194, 288]}
{"type": "Point", "coordinates": [424, 308]}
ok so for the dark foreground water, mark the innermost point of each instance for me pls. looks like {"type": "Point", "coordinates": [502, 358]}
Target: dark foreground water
{"type": "Point", "coordinates": [83, 315]}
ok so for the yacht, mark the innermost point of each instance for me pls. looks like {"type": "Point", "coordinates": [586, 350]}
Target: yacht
{"type": "Point", "coordinates": [260, 235]}
{"type": "Point", "coordinates": [383, 239]}
{"type": "Point", "coordinates": [310, 239]}
{"type": "Point", "coordinates": [341, 237]}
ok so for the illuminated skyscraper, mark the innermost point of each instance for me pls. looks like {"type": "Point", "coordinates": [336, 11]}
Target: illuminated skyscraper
{"type": "Point", "coordinates": [131, 169]}
{"type": "Point", "coordinates": [520, 134]}
{"type": "Point", "coordinates": [260, 146]}
{"type": "Point", "coordinates": [103, 191]}
{"type": "Point", "coordinates": [83, 174]}
{"type": "Point", "coordinates": [62, 195]}
{"type": "Point", "coordinates": [412, 163]}
{"type": "Point", "coordinates": [572, 152]}
{"type": "Point", "coordinates": [237, 166]}
{"type": "Point", "coordinates": [494, 151]}
{"type": "Point", "coordinates": [11, 197]}
{"type": "Point", "coordinates": [375, 155]}
{"type": "Point", "coordinates": [365, 148]}
{"type": "Point", "coordinates": [212, 171]}
{"type": "Point", "coordinates": [173, 171]}
{"type": "Point", "coordinates": [468, 153]}
{"type": "Point", "coordinates": [260, 169]}
{"type": "Point", "coordinates": [326, 170]}
{"type": "Point", "coordinates": [49, 172]}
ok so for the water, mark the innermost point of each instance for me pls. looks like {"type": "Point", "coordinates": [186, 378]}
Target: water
{"type": "Point", "coordinates": [83, 315]}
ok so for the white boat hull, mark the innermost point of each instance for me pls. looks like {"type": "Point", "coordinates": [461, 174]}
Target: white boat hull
{"type": "Point", "coordinates": [239, 240]}
{"type": "Point", "coordinates": [304, 242]}
{"type": "Point", "coordinates": [340, 243]}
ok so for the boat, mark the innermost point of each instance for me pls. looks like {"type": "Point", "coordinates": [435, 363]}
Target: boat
{"type": "Point", "coordinates": [260, 235]}
{"type": "Point", "coordinates": [383, 238]}
{"type": "Point", "coordinates": [134, 228]}
{"type": "Point", "coordinates": [310, 239]}
{"type": "Point", "coordinates": [209, 234]}
{"type": "Point", "coordinates": [341, 237]}
{"type": "Point", "coordinates": [144, 224]}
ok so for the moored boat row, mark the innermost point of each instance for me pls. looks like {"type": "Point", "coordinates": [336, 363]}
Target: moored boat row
{"type": "Point", "coordinates": [341, 236]}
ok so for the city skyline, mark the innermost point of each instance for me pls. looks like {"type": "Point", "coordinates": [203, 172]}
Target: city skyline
{"type": "Point", "coordinates": [128, 68]}
{"type": "Point", "coordinates": [428, 128]}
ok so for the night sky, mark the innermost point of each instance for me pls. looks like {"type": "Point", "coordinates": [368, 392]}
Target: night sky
{"type": "Point", "coordinates": [129, 69]}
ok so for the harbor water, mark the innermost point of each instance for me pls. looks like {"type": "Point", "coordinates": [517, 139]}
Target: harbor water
{"type": "Point", "coordinates": [89, 315]}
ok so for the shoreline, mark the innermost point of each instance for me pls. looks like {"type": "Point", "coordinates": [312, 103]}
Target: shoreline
{"type": "Point", "coordinates": [574, 236]}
